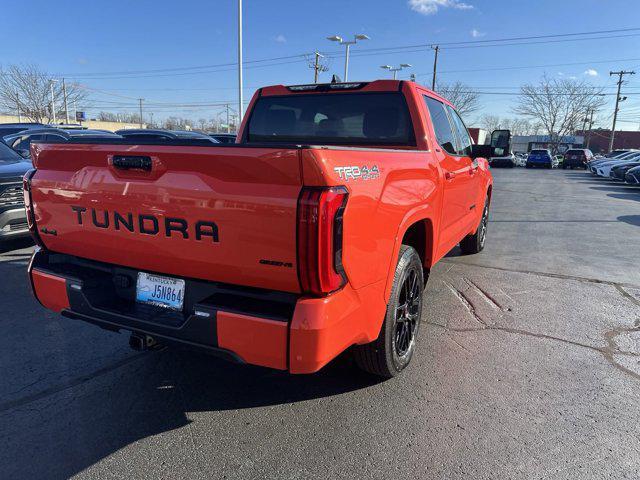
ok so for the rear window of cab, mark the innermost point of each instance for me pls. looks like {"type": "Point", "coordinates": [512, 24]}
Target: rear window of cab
{"type": "Point", "coordinates": [375, 119]}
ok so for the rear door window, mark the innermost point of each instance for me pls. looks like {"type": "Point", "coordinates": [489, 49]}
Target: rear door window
{"type": "Point", "coordinates": [441, 125]}
{"type": "Point", "coordinates": [25, 143]}
{"type": "Point", "coordinates": [464, 140]}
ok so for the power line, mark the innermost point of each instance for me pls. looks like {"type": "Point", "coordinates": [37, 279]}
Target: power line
{"type": "Point", "coordinates": [533, 66]}
{"type": "Point", "coordinates": [210, 68]}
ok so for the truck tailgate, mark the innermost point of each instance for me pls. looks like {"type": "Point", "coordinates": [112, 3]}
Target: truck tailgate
{"type": "Point", "coordinates": [225, 214]}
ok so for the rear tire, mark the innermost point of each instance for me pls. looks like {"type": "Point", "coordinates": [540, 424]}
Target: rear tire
{"type": "Point", "coordinates": [392, 351]}
{"type": "Point", "coordinates": [475, 243]}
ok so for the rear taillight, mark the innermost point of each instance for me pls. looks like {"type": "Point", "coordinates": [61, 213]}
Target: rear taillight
{"type": "Point", "coordinates": [28, 205]}
{"type": "Point", "coordinates": [320, 212]}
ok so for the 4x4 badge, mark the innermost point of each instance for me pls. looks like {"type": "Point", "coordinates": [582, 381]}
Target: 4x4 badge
{"type": "Point", "coordinates": [353, 172]}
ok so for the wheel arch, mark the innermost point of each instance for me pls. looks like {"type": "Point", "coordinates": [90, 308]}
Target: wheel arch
{"type": "Point", "coordinates": [418, 233]}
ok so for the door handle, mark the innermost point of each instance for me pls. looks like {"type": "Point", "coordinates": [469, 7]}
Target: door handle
{"type": "Point", "coordinates": [449, 175]}
{"type": "Point", "coordinates": [132, 162]}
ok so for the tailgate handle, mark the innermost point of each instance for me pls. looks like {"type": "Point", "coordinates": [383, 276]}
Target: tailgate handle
{"type": "Point", "coordinates": [132, 162]}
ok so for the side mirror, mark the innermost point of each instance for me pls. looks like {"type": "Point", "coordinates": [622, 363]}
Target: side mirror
{"type": "Point", "coordinates": [501, 142]}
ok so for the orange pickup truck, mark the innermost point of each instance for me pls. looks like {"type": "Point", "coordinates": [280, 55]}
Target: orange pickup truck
{"type": "Point", "coordinates": [313, 234]}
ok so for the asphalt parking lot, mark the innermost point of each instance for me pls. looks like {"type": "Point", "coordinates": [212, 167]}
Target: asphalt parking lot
{"type": "Point", "coordinates": [528, 367]}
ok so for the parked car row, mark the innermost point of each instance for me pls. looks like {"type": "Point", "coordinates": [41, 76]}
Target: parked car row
{"type": "Point", "coordinates": [619, 165]}
{"type": "Point", "coordinates": [15, 155]}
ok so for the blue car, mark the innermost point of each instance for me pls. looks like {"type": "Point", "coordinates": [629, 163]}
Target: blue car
{"type": "Point", "coordinates": [540, 158]}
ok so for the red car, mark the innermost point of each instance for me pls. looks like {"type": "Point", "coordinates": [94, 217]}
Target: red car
{"type": "Point", "coordinates": [315, 233]}
{"type": "Point", "coordinates": [577, 158]}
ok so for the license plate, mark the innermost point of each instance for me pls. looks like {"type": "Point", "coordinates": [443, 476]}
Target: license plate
{"type": "Point", "coordinates": [160, 291]}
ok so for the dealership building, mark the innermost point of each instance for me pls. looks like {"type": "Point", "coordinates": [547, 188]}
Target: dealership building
{"type": "Point", "coordinates": [526, 143]}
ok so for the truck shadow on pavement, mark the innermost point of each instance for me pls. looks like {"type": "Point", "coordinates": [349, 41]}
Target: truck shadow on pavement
{"type": "Point", "coordinates": [630, 219]}
{"type": "Point", "coordinates": [150, 394]}
{"type": "Point", "coordinates": [17, 244]}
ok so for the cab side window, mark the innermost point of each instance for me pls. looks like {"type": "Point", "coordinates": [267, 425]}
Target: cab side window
{"type": "Point", "coordinates": [464, 144]}
{"type": "Point", "coordinates": [441, 125]}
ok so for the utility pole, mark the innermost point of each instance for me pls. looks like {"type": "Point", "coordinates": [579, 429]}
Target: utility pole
{"type": "Point", "coordinates": [228, 126]}
{"type": "Point", "coordinates": [151, 121]}
{"type": "Point", "coordinates": [316, 67]}
{"type": "Point", "coordinates": [140, 103]}
{"type": "Point", "coordinates": [435, 66]}
{"type": "Point", "coordinates": [240, 99]}
{"type": "Point", "coordinates": [66, 109]}
{"type": "Point", "coordinates": [53, 102]}
{"type": "Point", "coordinates": [590, 127]}
{"type": "Point", "coordinates": [620, 74]}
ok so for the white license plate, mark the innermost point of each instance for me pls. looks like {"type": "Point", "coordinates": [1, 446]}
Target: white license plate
{"type": "Point", "coordinates": [160, 291]}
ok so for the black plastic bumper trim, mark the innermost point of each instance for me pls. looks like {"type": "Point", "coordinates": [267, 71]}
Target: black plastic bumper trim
{"type": "Point", "coordinates": [116, 327]}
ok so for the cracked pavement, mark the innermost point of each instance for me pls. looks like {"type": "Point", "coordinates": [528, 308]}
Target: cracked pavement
{"type": "Point", "coordinates": [528, 366]}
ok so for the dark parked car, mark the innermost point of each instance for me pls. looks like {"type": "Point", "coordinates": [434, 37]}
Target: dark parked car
{"type": "Point", "coordinates": [224, 137]}
{"type": "Point", "coordinates": [508, 161]}
{"type": "Point", "coordinates": [540, 158]}
{"type": "Point", "coordinates": [577, 158]}
{"type": "Point", "coordinates": [160, 135]}
{"type": "Point", "coordinates": [633, 176]}
{"type": "Point", "coordinates": [13, 219]}
{"type": "Point", "coordinates": [618, 172]}
{"type": "Point", "coordinates": [11, 128]}
{"type": "Point", "coordinates": [21, 142]}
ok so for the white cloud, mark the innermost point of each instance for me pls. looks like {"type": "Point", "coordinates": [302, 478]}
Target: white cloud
{"type": "Point", "coordinates": [429, 7]}
{"type": "Point", "coordinates": [280, 38]}
{"type": "Point", "coordinates": [477, 33]}
{"type": "Point", "coordinates": [591, 72]}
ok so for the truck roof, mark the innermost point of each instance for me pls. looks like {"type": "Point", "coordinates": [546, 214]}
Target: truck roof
{"type": "Point", "coordinates": [344, 87]}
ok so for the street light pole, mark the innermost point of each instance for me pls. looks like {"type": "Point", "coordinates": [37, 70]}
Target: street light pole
{"type": "Point", "coordinates": [18, 106]}
{"type": "Point", "coordinates": [140, 103]}
{"type": "Point", "coordinates": [66, 108]}
{"type": "Point", "coordinates": [395, 70]}
{"type": "Point", "coordinates": [339, 39]}
{"type": "Point", "coordinates": [240, 99]}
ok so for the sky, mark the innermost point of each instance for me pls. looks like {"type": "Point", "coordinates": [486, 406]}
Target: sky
{"type": "Point", "coordinates": [100, 43]}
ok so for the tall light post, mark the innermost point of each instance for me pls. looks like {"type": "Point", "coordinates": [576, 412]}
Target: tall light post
{"type": "Point", "coordinates": [240, 99]}
{"type": "Point", "coordinates": [395, 70]}
{"type": "Point", "coordinates": [347, 44]}
{"type": "Point", "coordinates": [53, 101]}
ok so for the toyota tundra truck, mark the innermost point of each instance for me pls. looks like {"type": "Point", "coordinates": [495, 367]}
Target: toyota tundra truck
{"type": "Point", "coordinates": [313, 234]}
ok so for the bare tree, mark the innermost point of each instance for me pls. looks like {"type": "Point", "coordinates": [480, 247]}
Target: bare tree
{"type": "Point", "coordinates": [463, 97]}
{"type": "Point", "coordinates": [559, 105]}
{"type": "Point", "coordinates": [490, 122]}
{"type": "Point", "coordinates": [27, 90]}
{"type": "Point", "coordinates": [119, 117]}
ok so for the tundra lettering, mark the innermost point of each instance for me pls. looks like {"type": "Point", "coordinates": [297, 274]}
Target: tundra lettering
{"type": "Point", "coordinates": [148, 224]}
{"type": "Point", "coordinates": [335, 205]}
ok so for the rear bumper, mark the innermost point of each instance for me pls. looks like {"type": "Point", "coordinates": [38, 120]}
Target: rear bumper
{"type": "Point", "coordinates": [574, 163]}
{"type": "Point", "coordinates": [13, 223]}
{"type": "Point", "coordinates": [539, 163]}
{"type": "Point", "coordinates": [270, 329]}
{"type": "Point", "coordinates": [502, 162]}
